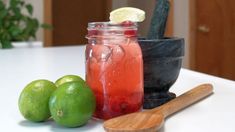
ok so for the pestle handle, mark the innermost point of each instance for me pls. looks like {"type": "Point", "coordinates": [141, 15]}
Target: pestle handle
{"type": "Point", "coordinates": [159, 19]}
{"type": "Point", "coordinates": [185, 100]}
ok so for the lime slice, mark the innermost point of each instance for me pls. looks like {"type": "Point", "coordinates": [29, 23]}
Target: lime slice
{"type": "Point", "coordinates": [127, 14]}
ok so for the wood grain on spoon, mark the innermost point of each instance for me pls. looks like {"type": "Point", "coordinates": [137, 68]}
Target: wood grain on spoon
{"type": "Point", "coordinates": [152, 120]}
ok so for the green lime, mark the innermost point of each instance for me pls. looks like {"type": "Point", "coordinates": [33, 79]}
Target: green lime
{"type": "Point", "coordinates": [72, 104]}
{"type": "Point", "coordinates": [33, 101]}
{"type": "Point", "coordinates": [68, 78]}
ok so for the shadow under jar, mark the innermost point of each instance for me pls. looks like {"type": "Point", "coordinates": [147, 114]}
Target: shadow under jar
{"type": "Point", "coordinates": [114, 68]}
{"type": "Point", "coordinates": [162, 64]}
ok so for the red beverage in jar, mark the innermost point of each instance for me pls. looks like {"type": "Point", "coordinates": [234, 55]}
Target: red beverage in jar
{"type": "Point", "coordinates": [114, 69]}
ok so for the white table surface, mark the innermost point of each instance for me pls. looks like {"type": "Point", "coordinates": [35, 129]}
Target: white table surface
{"type": "Point", "coordinates": [20, 66]}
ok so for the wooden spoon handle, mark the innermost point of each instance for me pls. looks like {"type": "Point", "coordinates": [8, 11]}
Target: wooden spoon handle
{"type": "Point", "coordinates": [185, 99]}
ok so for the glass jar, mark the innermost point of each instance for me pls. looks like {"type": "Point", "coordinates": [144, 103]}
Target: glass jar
{"type": "Point", "coordinates": [114, 68]}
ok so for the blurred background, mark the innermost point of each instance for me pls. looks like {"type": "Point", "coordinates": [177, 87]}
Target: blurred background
{"type": "Point", "coordinates": [208, 27]}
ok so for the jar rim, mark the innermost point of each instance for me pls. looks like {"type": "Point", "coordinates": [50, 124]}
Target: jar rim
{"type": "Point", "coordinates": [112, 26]}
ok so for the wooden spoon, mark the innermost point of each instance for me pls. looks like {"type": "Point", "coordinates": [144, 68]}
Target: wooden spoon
{"type": "Point", "coordinates": [152, 120]}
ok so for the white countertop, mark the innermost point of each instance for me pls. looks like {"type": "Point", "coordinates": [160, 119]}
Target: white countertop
{"type": "Point", "coordinates": [18, 67]}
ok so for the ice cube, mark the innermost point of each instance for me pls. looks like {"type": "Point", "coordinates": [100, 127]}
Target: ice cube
{"type": "Point", "coordinates": [101, 52]}
{"type": "Point", "coordinates": [117, 53]}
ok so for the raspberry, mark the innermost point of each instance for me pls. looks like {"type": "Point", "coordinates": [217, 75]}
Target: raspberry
{"type": "Point", "coordinates": [92, 32]}
{"type": "Point", "coordinates": [130, 33]}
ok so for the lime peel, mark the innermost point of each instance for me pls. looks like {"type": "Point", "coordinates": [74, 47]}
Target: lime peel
{"type": "Point", "coordinates": [60, 113]}
{"type": "Point", "coordinates": [127, 14]}
{"type": "Point", "coordinates": [33, 100]}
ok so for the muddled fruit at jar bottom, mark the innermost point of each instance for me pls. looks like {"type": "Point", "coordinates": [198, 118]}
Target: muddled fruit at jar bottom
{"type": "Point", "coordinates": [108, 106]}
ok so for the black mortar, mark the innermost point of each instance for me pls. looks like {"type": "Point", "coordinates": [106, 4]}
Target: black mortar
{"type": "Point", "coordinates": [162, 64]}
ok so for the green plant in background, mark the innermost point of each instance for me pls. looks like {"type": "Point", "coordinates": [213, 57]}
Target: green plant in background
{"type": "Point", "coordinates": [17, 22]}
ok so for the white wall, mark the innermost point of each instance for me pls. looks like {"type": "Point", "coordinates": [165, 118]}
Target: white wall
{"type": "Point", "coordinates": [181, 25]}
{"type": "Point", "coordinates": [38, 13]}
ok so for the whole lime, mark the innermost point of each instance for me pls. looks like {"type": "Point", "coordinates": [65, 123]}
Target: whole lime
{"type": "Point", "coordinates": [69, 78]}
{"type": "Point", "coordinates": [33, 101]}
{"type": "Point", "coordinates": [72, 104]}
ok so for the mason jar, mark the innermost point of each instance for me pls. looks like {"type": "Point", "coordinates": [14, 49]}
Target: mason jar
{"type": "Point", "coordinates": [114, 68]}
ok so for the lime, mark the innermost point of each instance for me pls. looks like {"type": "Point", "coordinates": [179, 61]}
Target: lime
{"type": "Point", "coordinates": [68, 78]}
{"type": "Point", "coordinates": [33, 101]}
{"type": "Point", "coordinates": [72, 104]}
{"type": "Point", "coordinates": [127, 14]}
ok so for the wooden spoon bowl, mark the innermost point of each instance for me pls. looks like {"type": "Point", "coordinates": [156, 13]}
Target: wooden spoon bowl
{"type": "Point", "coordinates": [152, 120]}
{"type": "Point", "coordinates": [130, 122]}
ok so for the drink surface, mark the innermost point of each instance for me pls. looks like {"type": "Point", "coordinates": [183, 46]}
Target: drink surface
{"type": "Point", "coordinates": [114, 71]}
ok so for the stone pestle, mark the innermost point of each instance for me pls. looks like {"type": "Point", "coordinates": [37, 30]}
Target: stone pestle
{"type": "Point", "coordinates": [159, 19]}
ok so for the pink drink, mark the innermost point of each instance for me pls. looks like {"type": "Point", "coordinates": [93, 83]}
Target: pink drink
{"type": "Point", "coordinates": [114, 70]}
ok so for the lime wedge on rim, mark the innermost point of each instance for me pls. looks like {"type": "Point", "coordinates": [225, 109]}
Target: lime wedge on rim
{"type": "Point", "coordinates": [127, 14]}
